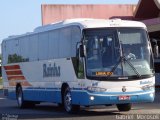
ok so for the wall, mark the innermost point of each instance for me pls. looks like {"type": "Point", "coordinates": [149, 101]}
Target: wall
{"type": "Point", "coordinates": [55, 13]}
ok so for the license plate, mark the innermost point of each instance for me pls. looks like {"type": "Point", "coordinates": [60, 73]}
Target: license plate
{"type": "Point", "coordinates": [124, 97]}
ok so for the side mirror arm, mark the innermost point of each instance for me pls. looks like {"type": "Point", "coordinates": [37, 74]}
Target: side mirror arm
{"type": "Point", "coordinates": [81, 49]}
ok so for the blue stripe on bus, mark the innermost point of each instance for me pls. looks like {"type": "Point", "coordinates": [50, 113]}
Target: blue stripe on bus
{"type": "Point", "coordinates": [81, 97]}
{"type": "Point", "coordinates": [42, 95]}
{"type": "Point", "coordinates": [43, 88]}
{"type": "Point", "coordinates": [12, 95]}
{"type": "Point", "coordinates": [85, 89]}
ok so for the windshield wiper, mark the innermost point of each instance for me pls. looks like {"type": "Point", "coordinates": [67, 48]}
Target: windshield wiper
{"type": "Point", "coordinates": [114, 68]}
{"type": "Point", "coordinates": [122, 59]}
{"type": "Point", "coordinates": [131, 65]}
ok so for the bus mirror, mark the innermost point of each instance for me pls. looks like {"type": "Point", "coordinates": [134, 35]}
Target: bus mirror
{"type": "Point", "coordinates": [156, 51]}
{"type": "Point", "coordinates": [154, 40]}
{"type": "Point", "coordinates": [81, 51]}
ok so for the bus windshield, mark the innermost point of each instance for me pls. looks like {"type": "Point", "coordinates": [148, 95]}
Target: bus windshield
{"type": "Point", "coordinates": [118, 52]}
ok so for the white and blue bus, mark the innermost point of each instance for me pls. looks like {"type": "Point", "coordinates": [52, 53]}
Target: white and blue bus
{"type": "Point", "coordinates": [80, 62]}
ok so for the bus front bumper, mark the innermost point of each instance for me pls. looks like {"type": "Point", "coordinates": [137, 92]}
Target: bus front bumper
{"type": "Point", "coordinates": [90, 99]}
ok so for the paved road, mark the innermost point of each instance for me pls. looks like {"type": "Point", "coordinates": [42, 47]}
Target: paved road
{"type": "Point", "coordinates": [10, 111]}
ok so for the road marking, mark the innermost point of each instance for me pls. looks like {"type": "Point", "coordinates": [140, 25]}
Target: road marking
{"type": "Point", "coordinates": [2, 98]}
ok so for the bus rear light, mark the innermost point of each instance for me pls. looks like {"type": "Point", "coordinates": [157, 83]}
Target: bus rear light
{"type": "Point", "coordinates": [96, 89]}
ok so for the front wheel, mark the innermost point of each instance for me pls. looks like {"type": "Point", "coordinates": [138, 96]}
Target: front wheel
{"type": "Point", "coordinates": [68, 106]}
{"type": "Point", "coordinates": [124, 107]}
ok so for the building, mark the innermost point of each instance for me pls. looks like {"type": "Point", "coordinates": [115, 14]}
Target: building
{"type": "Point", "coordinates": [148, 11]}
{"type": "Point", "coordinates": [54, 13]}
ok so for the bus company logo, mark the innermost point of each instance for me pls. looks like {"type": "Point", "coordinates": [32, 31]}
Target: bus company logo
{"type": "Point", "coordinates": [145, 82]}
{"type": "Point", "coordinates": [51, 70]}
{"type": "Point", "coordinates": [124, 89]}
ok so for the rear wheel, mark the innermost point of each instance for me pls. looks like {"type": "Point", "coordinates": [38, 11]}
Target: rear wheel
{"type": "Point", "coordinates": [124, 107]}
{"type": "Point", "coordinates": [20, 100]}
{"type": "Point", "coordinates": [68, 106]}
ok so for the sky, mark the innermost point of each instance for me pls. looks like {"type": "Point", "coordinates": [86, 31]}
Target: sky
{"type": "Point", "coordinates": [21, 16]}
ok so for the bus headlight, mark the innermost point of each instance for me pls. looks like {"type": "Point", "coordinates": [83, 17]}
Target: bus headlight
{"type": "Point", "coordinates": [96, 89]}
{"type": "Point", "coordinates": [147, 87]}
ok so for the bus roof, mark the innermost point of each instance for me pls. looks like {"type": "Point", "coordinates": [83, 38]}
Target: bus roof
{"type": "Point", "coordinates": [84, 23]}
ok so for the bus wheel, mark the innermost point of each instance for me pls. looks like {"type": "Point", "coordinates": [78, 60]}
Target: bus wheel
{"type": "Point", "coordinates": [68, 106]}
{"type": "Point", "coordinates": [19, 96]}
{"type": "Point", "coordinates": [21, 102]}
{"type": "Point", "coordinates": [124, 107]}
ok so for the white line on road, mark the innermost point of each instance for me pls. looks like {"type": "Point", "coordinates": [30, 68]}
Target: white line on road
{"type": "Point", "coordinates": [2, 98]}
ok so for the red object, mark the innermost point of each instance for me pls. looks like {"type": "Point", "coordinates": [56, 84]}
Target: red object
{"type": "Point", "coordinates": [124, 97]}
{"type": "Point", "coordinates": [55, 13]}
{"type": "Point", "coordinates": [147, 9]}
{"type": "Point", "coordinates": [12, 67]}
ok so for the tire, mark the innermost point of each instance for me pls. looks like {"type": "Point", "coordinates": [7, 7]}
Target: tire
{"type": "Point", "coordinates": [20, 100]}
{"type": "Point", "coordinates": [124, 107]}
{"type": "Point", "coordinates": [67, 99]}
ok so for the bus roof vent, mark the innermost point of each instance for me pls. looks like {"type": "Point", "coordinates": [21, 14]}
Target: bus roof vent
{"type": "Point", "coordinates": [115, 22]}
